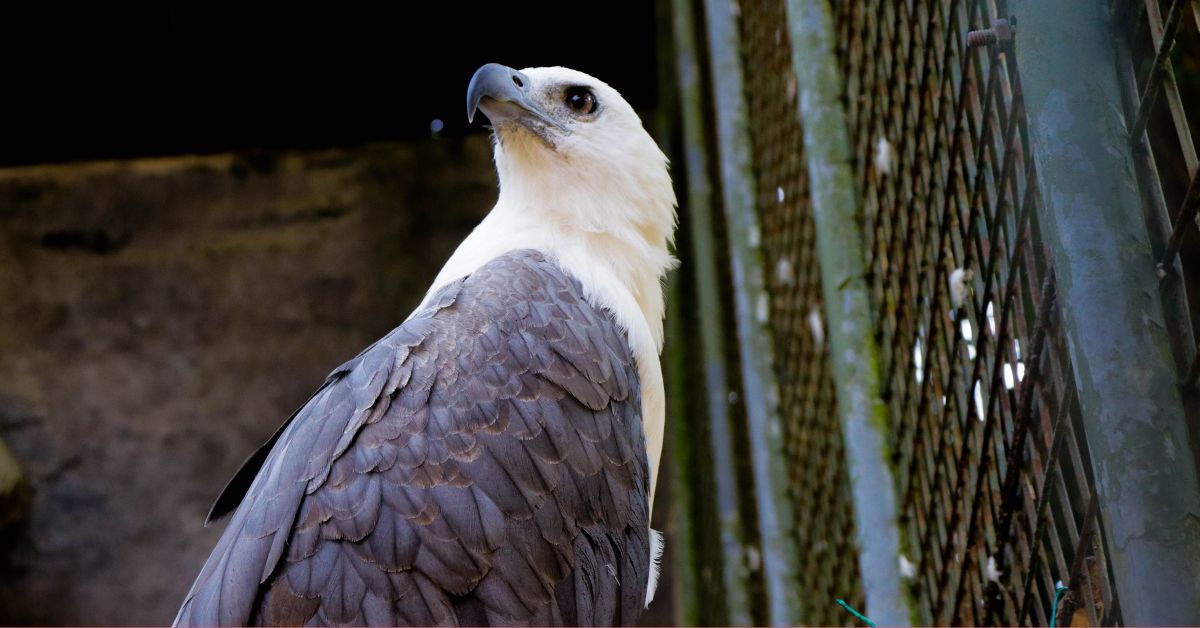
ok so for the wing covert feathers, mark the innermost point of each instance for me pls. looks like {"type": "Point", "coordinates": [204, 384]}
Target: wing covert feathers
{"type": "Point", "coordinates": [483, 463]}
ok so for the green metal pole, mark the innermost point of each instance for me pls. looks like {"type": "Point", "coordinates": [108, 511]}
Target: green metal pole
{"type": "Point", "coordinates": [735, 578]}
{"type": "Point", "coordinates": [764, 428]}
{"type": "Point", "coordinates": [851, 333]}
{"type": "Point", "coordinates": [680, 529]}
{"type": "Point", "coordinates": [1133, 416]}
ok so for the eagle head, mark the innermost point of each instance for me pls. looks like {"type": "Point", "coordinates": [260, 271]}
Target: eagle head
{"type": "Point", "coordinates": [568, 143]}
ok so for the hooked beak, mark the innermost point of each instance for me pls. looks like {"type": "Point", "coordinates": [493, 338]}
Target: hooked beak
{"type": "Point", "coordinates": [503, 94]}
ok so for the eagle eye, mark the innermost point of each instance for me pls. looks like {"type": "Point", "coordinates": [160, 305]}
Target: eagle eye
{"type": "Point", "coordinates": [580, 100]}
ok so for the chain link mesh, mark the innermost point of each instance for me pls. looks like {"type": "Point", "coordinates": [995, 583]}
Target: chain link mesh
{"type": "Point", "coordinates": [997, 501]}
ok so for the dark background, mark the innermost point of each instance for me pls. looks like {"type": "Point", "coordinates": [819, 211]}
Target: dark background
{"type": "Point", "coordinates": [103, 80]}
{"type": "Point", "coordinates": [203, 209]}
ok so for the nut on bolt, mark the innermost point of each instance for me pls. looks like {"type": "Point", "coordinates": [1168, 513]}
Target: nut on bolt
{"type": "Point", "coordinates": [1001, 31]}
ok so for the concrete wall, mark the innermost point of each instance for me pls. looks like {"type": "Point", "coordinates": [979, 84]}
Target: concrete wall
{"type": "Point", "coordinates": [159, 318]}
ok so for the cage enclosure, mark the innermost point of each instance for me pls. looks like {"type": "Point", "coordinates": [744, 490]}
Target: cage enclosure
{"type": "Point", "coordinates": [937, 285]}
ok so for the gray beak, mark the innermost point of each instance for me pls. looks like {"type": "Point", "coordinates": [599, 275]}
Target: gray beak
{"type": "Point", "coordinates": [503, 94]}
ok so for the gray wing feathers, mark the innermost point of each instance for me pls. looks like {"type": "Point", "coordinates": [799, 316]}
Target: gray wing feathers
{"type": "Point", "coordinates": [484, 463]}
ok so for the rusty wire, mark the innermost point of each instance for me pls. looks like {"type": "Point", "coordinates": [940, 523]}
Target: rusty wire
{"type": "Point", "coordinates": [997, 500]}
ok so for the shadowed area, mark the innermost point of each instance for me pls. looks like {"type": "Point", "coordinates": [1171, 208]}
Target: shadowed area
{"type": "Point", "coordinates": [161, 317]}
{"type": "Point", "coordinates": [203, 210]}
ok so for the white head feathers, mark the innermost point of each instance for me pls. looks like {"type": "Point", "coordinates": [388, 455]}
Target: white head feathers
{"type": "Point", "coordinates": [581, 180]}
{"type": "Point", "coordinates": [604, 162]}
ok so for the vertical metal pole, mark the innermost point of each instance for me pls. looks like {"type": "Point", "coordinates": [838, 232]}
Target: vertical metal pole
{"type": "Point", "coordinates": [851, 333]}
{"type": "Point", "coordinates": [681, 529]}
{"type": "Point", "coordinates": [1112, 316]}
{"type": "Point", "coordinates": [764, 426]}
{"type": "Point", "coordinates": [703, 260]}
{"type": "Point", "coordinates": [680, 563]}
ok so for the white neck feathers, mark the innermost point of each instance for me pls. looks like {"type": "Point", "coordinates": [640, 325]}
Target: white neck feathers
{"type": "Point", "coordinates": [610, 228]}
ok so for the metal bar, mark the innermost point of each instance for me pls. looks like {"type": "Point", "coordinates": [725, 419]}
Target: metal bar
{"type": "Point", "coordinates": [1079, 576]}
{"type": "Point", "coordinates": [1010, 494]}
{"type": "Point", "coordinates": [1183, 219]}
{"type": "Point", "coordinates": [1132, 413]}
{"type": "Point", "coordinates": [1179, 118]}
{"type": "Point", "coordinates": [1162, 57]}
{"type": "Point", "coordinates": [1045, 492]}
{"type": "Point", "coordinates": [764, 425]}
{"type": "Point", "coordinates": [700, 222]}
{"type": "Point", "coordinates": [851, 330]}
{"type": "Point", "coordinates": [681, 533]}
{"type": "Point", "coordinates": [1009, 491]}
{"type": "Point", "coordinates": [680, 529]}
{"type": "Point", "coordinates": [1158, 220]}
{"type": "Point", "coordinates": [1170, 87]}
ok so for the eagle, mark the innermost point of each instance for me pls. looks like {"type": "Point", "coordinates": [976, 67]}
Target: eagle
{"type": "Point", "coordinates": [492, 460]}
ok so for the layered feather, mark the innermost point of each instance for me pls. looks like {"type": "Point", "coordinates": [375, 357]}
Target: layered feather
{"type": "Point", "coordinates": [484, 463]}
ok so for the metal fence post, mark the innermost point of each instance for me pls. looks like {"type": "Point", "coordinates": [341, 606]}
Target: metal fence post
{"type": "Point", "coordinates": [764, 428]}
{"type": "Point", "coordinates": [853, 351]}
{"type": "Point", "coordinates": [700, 205]}
{"type": "Point", "coordinates": [1111, 311]}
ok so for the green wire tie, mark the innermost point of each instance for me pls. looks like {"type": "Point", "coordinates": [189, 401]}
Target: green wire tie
{"type": "Point", "coordinates": [1059, 588]}
{"type": "Point", "coordinates": [857, 614]}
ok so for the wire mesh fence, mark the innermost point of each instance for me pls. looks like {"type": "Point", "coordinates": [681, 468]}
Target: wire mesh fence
{"type": "Point", "coordinates": [999, 503]}
{"type": "Point", "coordinates": [997, 499]}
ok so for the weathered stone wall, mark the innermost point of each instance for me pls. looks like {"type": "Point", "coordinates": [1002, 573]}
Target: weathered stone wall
{"type": "Point", "coordinates": [159, 318]}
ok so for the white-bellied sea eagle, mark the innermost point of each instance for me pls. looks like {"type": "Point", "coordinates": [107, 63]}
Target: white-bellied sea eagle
{"type": "Point", "coordinates": [492, 460]}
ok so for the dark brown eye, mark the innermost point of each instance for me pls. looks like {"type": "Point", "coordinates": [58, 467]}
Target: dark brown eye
{"type": "Point", "coordinates": [581, 100]}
